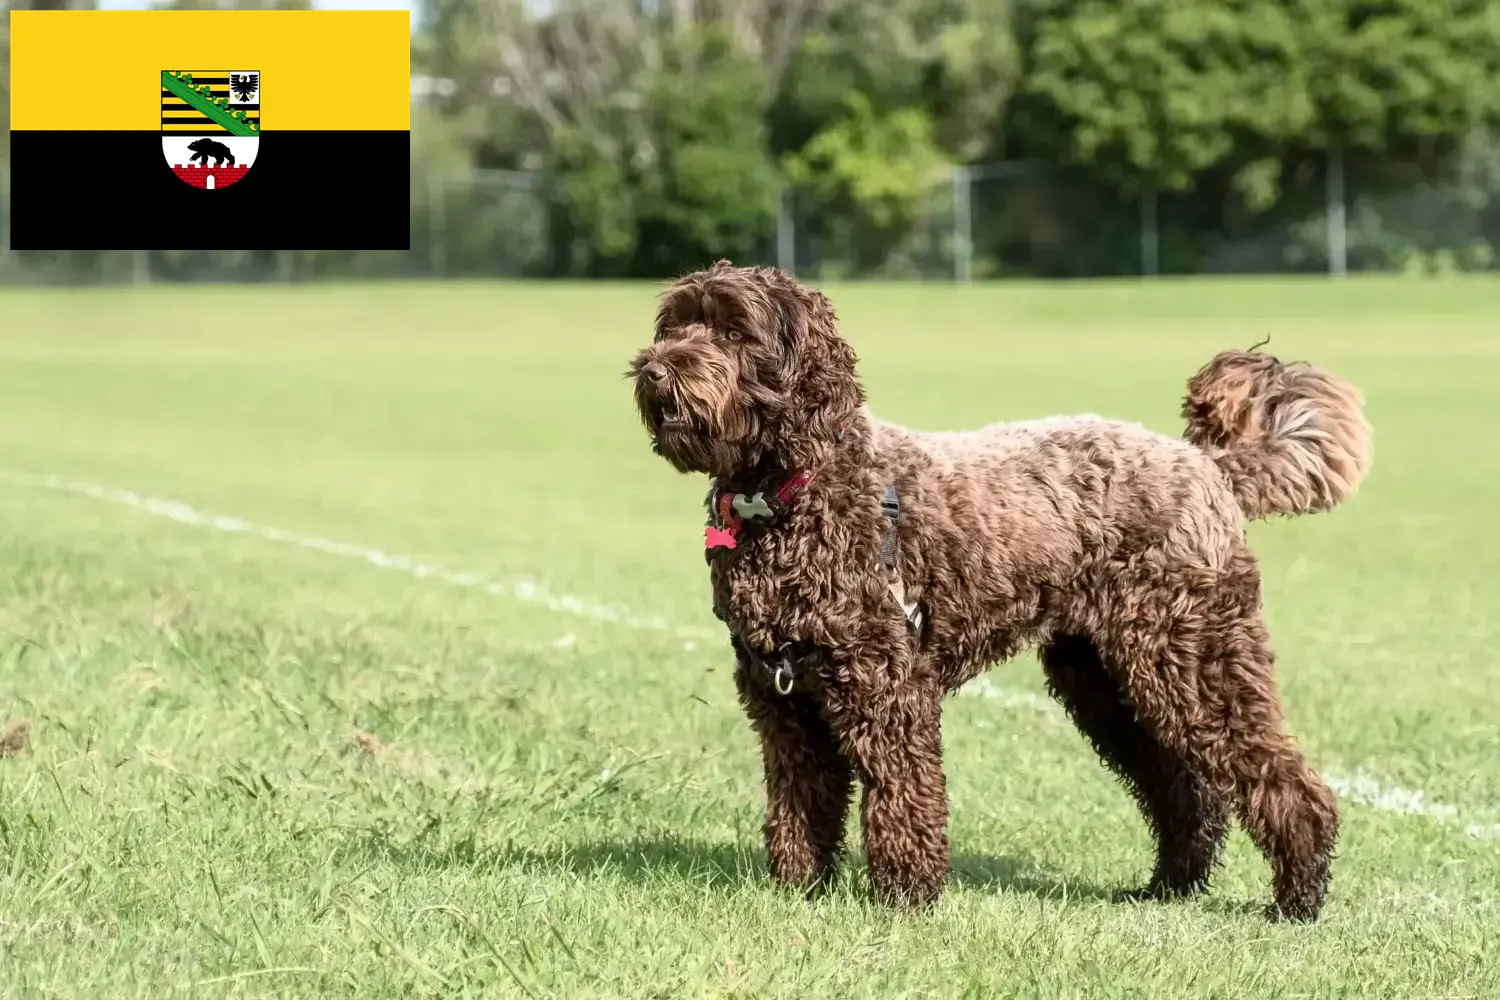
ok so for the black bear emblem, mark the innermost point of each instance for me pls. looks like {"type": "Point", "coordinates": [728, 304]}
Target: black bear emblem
{"type": "Point", "coordinates": [204, 148]}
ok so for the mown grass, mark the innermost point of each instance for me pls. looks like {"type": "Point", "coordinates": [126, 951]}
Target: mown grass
{"type": "Point", "coordinates": [259, 770]}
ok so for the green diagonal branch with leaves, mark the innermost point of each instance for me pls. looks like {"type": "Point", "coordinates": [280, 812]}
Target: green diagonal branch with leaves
{"type": "Point", "coordinates": [202, 100]}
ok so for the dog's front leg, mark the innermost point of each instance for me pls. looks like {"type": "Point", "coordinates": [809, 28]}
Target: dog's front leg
{"type": "Point", "coordinates": [808, 779]}
{"type": "Point", "coordinates": [888, 720]}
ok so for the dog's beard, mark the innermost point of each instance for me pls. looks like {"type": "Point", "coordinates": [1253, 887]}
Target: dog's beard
{"type": "Point", "coordinates": [690, 450]}
{"type": "Point", "coordinates": [697, 422]}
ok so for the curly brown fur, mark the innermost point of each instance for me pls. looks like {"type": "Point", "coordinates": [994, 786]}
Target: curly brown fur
{"type": "Point", "coordinates": [1292, 439]}
{"type": "Point", "coordinates": [1189, 822]}
{"type": "Point", "coordinates": [1120, 552]}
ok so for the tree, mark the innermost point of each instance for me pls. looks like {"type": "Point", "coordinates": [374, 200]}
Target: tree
{"type": "Point", "coordinates": [1155, 94]}
{"type": "Point", "coordinates": [880, 103]}
{"type": "Point", "coordinates": [955, 59]}
{"type": "Point", "coordinates": [649, 122]}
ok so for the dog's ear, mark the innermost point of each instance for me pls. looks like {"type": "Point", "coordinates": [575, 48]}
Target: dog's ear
{"type": "Point", "coordinates": [824, 384]}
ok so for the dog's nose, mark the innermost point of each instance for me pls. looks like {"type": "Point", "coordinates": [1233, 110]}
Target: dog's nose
{"type": "Point", "coordinates": [655, 371]}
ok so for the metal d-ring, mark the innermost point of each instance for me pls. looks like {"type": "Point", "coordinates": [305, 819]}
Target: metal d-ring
{"type": "Point", "coordinates": [782, 670]}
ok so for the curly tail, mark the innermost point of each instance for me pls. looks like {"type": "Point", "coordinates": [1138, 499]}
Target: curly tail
{"type": "Point", "coordinates": [1292, 438]}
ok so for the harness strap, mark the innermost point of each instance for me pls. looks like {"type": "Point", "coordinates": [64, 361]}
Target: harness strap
{"type": "Point", "coordinates": [890, 506]}
{"type": "Point", "coordinates": [783, 667]}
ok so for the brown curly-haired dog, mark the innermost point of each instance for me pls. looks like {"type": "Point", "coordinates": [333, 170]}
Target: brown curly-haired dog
{"type": "Point", "coordinates": [853, 608]}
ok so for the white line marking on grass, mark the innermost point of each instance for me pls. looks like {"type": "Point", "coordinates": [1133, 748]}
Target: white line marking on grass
{"type": "Point", "coordinates": [521, 590]}
{"type": "Point", "coordinates": [983, 687]}
{"type": "Point", "coordinates": [1359, 787]}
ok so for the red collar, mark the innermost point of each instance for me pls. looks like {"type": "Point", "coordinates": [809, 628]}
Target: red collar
{"type": "Point", "coordinates": [728, 511]}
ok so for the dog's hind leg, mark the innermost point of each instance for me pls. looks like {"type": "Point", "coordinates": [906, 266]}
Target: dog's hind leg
{"type": "Point", "coordinates": [808, 780]}
{"type": "Point", "coordinates": [1288, 810]}
{"type": "Point", "coordinates": [1187, 819]}
{"type": "Point", "coordinates": [1204, 686]}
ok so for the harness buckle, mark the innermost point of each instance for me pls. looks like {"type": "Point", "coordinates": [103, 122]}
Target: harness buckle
{"type": "Point", "coordinates": [910, 610]}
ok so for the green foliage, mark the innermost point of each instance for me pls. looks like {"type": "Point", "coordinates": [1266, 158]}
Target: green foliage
{"type": "Point", "coordinates": [881, 100]}
{"type": "Point", "coordinates": [596, 191]}
{"type": "Point", "coordinates": [977, 72]}
{"type": "Point", "coordinates": [1405, 70]}
{"type": "Point", "coordinates": [1156, 93]}
{"type": "Point", "coordinates": [872, 175]}
{"type": "Point", "coordinates": [670, 167]}
{"type": "Point", "coordinates": [881, 165]}
{"type": "Point", "coordinates": [713, 189]}
{"type": "Point", "coordinates": [956, 59]}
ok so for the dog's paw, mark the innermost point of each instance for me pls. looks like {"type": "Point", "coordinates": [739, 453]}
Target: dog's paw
{"type": "Point", "coordinates": [1140, 894]}
{"type": "Point", "coordinates": [910, 898]}
{"type": "Point", "coordinates": [1276, 913]}
{"type": "Point", "coordinates": [1158, 892]}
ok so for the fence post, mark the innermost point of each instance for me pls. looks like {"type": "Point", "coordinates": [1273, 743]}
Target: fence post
{"type": "Point", "coordinates": [437, 258]}
{"type": "Point", "coordinates": [1150, 237]}
{"type": "Point", "coordinates": [786, 233]}
{"type": "Point", "coordinates": [963, 225]}
{"type": "Point", "coordinates": [1338, 234]}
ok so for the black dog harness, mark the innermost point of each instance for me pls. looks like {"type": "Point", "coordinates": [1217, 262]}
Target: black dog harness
{"type": "Point", "coordinates": [783, 665]}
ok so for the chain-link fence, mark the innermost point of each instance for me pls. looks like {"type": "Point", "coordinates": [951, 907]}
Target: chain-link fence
{"type": "Point", "coordinates": [491, 223]}
{"type": "Point", "coordinates": [1321, 214]}
{"type": "Point", "coordinates": [1326, 214]}
{"type": "Point", "coordinates": [829, 246]}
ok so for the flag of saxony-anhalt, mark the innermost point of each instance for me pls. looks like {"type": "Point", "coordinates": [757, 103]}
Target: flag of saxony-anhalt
{"type": "Point", "coordinates": [143, 130]}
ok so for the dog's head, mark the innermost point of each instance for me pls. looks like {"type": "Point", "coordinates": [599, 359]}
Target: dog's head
{"type": "Point", "coordinates": [746, 370]}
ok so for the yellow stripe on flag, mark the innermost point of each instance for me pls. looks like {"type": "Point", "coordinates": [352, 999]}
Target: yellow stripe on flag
{"type": "Point", "coordinates": [94, 70]}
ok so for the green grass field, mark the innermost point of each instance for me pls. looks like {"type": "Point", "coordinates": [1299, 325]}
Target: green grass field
{"type": "Point", "coordinates": [566, 800]}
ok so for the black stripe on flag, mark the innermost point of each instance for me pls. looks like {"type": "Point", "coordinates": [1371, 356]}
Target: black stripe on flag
{"type": "Point", "coordinates": [334, 190]}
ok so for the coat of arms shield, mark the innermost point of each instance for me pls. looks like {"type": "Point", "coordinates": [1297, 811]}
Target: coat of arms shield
{"type": "Point", "coordinates": [210, 125]}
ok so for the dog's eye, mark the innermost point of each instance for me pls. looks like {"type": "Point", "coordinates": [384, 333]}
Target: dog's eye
{"type": "Point", "coordinates": [734, 334]}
